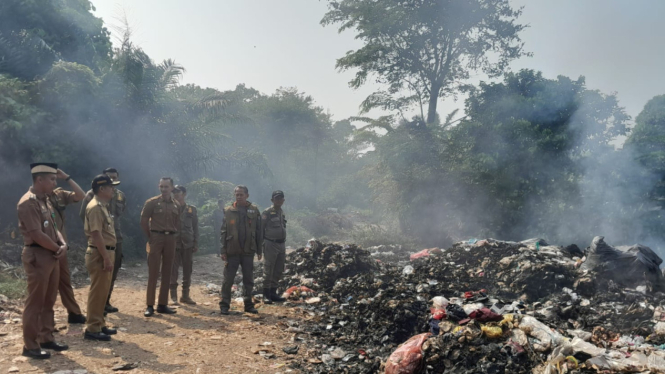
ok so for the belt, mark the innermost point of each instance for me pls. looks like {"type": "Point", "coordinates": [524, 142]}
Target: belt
{"type": "Point", "coordinates": [165, 232]}
{"type": "Point", "coordinates": [281, 241]}
{"type": "Point", "coordinates": [107, 247]}
{"type": "Point", "coordinates": [35, 245]}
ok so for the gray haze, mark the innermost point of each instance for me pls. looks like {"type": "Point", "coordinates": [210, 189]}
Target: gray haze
{"type": "Point", "coordinates": [617, 45]}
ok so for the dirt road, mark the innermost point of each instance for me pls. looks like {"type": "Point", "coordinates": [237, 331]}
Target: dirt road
{"type": "Point", "coordinates": [195, 340]}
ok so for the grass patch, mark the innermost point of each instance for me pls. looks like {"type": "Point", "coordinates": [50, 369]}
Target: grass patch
{"type": "Point", "coordinates": [12, 287]}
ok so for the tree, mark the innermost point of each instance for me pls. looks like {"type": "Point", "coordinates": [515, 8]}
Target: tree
{"type": "Point", "coordinates": [424, 50]}
{"type": "Point", "coordinates": [647, 144]}
{"type": "Point", "coordinates": [36, 33]}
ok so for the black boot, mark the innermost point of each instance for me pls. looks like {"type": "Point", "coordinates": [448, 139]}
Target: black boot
{"type": "Point", "coordinates": [249, 308]}
{"type": "Point", "coordinates": [267, 296]}
{"type": "Point", "coordinates": [76, 318]}
{"type": "Point", "coordinates": [275, 296]}
{"type": "Point", "coordinates": [163, 309]}
{"type": "Point", "coordinates": [36, 353]}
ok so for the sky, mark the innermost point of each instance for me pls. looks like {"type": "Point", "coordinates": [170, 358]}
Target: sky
{"type": "Point", "coordinates": [618, 45]}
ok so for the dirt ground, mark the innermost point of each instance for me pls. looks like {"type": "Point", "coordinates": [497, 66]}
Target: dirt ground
{"type": "Point", "coordinates": [195, 340]}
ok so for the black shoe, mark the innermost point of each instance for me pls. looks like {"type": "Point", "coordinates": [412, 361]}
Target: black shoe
{"type": "Point", "coordinates": [275, 296]}
{"type": "Point", "coordinates": [96, 336]}
{"type": "Point", "coordinates": [267, 297]}
{"type": "Point", "coordinates": [109, 331]}
{"type": "Point", "coordinates": [36, 353]}
{"type": "Point", "coordinates": [149, 311]}
{"type": "Point", "coordinates": [224, 310]}
{"type": "Point", "coordinates": [58, 347]}
{"type": "Point", "coordinates": [76, 318]}
{"type": "Point", "coordinates": [110, 309]}
{"type": "Point", "coordinates": [163, 309]}
{"type": "Point", "coordinates": [251, 309]}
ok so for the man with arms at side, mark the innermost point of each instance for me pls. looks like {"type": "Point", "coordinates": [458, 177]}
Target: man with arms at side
{"type": "Point", "coordinates": [99, 257]}
{"type": "Point", "coordinates": [187, 243]}
{"type": "Point", "coordinates": [274, 249]}
{"type": "Point", "coordinates": [43, 247]}
{"type": "Point", "coordinates": [241, 239]}
{"type": "Point", "coordinates": [160, 222]}
{"type": "Point", "coordinates": [116, 209]}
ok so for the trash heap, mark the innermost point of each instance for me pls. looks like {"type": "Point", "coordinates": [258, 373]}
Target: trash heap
{"type": "Point", "coordinates": [320, 266]}
{"type": "Point", "coordinates": [484, 306]}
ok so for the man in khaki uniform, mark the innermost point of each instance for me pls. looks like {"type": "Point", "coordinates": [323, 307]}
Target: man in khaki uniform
{"type": "Point", "coordinates": [160, 222]}
{"type": "Point", "coordinates": [43, 247]}
{"type": "Point", "coordinates": [116, 208]}
{"type": "Point", "coordinates": [100, 256]}
{"type": "Point", "coordinates": [60, 198]}
{"type": "Point", "coordinates": [187, 243]}
{"type": "Point", "coordinates": [241, 238]}
{"type": "Point", "coordinates": [274, 249]}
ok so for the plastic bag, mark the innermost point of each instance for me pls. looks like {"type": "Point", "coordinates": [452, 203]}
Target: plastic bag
{"type": "Point", "coordinates": [408, 357]}
{"type": "Point", "coordinates": [491, 332]}
{"type": "Point", "coordinates": [455, 313]}
{"type": "Point", "coordinates": [298, 290]}
{"type": "Point", "coordinates": [438, 314]}
{"type": "Point", "coordinates": [630, 266]}
{"type": "Point", "coordinates": [440, 302]}
{"type": "Point", "coordinates": [485, 315]}
{"type": "Point", "coordinates": [423, 253]}
{"type": "Point", "coordinates": [547, 337]}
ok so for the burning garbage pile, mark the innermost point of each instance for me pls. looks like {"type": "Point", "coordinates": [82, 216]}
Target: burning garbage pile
{"type": "Point", "coordinates": [483, 306]}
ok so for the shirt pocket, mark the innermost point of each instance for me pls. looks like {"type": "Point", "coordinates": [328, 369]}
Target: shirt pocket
{"type": "Point", "coordinates": [188, 221]}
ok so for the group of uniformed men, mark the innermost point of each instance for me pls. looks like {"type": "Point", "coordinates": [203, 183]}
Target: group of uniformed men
{"type": "Point", "coordinates": [171, 228]}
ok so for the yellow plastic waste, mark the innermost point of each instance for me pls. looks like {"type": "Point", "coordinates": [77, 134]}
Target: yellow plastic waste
{"type": "Point", "coordinates": [573, 360]}
{"type": "Point", "coordinates": [492, 332]}
{"type": "Point", "coordinates": [508, 318]}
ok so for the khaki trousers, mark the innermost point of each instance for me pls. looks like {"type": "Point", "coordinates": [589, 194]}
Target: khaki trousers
{"type": "Point", "coordinates": [116, 268]}
{"type": "Point", "coordinates": [183, 257]}
{"type": "Point", "coordinates": [42, 270]}
{"type": "Point", "coordinates": [65, 288]}
{"type": "Point", "coordinates": [275, 254]}
{"type": "Point", "coordinates": [100, 283]}
{"type": "Point", "coordinates": [162, 251]}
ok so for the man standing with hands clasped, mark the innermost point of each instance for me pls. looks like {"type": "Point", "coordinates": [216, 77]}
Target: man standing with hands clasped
{"type": "Point", "coordinates": [100, 256]}
{"type": "Point", "coordinates": [241, 238]}
{"type": "Point", "coordinates": [160, 222]}
{"type": "Point", "coordinates": [43, 247]}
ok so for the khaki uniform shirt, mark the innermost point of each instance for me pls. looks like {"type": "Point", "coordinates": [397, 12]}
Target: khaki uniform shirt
{"type": "Point", "coordinates": [116, 208]}
{"type": "Point", "coordinates": [274, 224]}
{"type": "Point", "coordinates": [189, 228]}
{"type": "Point", "coordinates": [36, 213]}
{"type": "Point", "coordinates": [98, 218]}
{"type": "Point", "coordinates": [230, 232]}
{"type": "Point", "coordinates": [164, 215]}
{"type": "Point", "coordinates": [60, 199]}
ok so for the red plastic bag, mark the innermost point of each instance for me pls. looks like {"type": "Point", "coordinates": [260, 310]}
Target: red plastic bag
{"type": "Point", "coordinates": [485, 315]}
{"type": "Point", "coordinates": [438, 313]}
{"type": "Point", "coordinates": [423, 253]}
{"type": "Point", "coordinates": [299, 289]}
{"type": "Point", "coordinates": [408, 357]}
